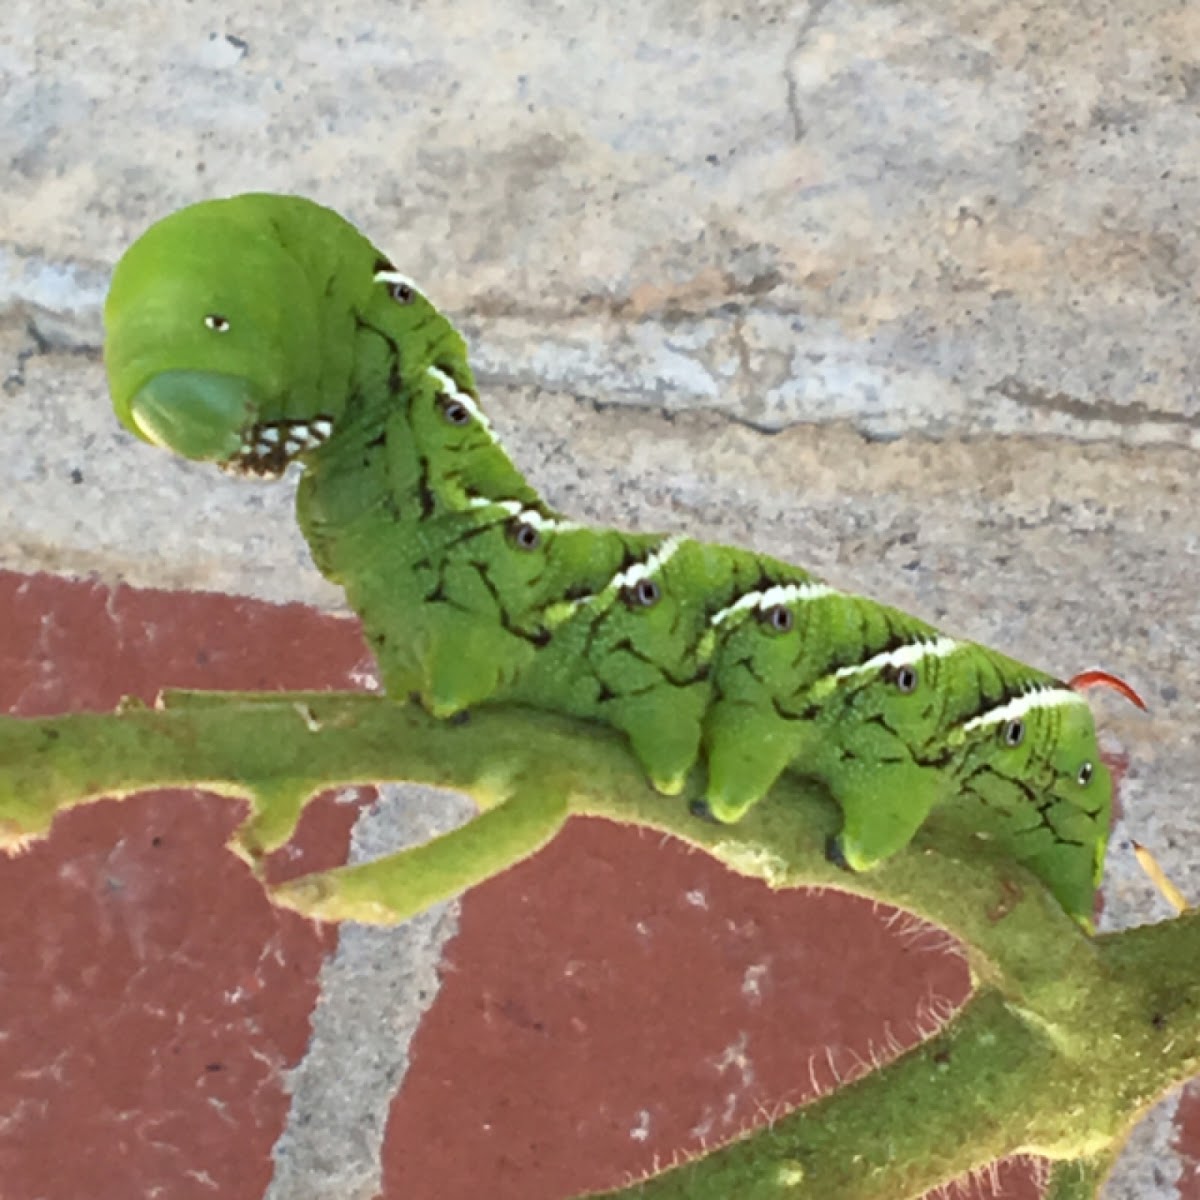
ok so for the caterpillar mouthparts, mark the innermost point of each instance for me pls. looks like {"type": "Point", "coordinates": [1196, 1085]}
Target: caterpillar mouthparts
{"type": "Point", "coordinates": [269, 447]}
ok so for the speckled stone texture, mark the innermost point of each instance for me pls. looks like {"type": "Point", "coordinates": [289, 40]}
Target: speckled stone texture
{"type": "Point", "coordinates": [903, 292]}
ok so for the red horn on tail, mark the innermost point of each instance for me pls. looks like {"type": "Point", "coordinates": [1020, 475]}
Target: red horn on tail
{"type": "Point", "coordinates": [1090, 679]}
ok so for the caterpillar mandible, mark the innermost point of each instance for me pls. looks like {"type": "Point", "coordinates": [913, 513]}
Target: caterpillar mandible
{"type": "Point", "coordinates": [263, 330]}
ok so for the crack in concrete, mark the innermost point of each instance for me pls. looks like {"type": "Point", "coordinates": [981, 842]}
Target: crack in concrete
{"type": "Point", "coordinates": [736, 298]}
{"type": "Point", "coordinates": [807, 25]}
{"type": "Point", "coordinates": [40, 346]}
{"type": "Point", "coordinates": [44, 346]}
{"type": "Point", "coordinates": [673, 308]}
{"type": "Point", "coordinates": [1129, 415]}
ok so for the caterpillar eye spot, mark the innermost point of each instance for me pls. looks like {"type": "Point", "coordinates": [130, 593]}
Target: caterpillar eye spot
{"type": "Point", "coordinates": [906, 679]}
{"type": "Point", "coordinates": [401, 293]}
{"type": "Point", "coordinates": [217, 323]}
{"type": "Point", "coordinates": [1085, 774]}
{"type": "Point", "coordinates": [455, 412]}
{"type": "Point", "coordinates": [526, 537]}
{"type": "Point", "coordinates": [780, 618]}
{"type": "Point", "coordinates": [1013, 733]}
{"type": "Point", "coordinates": [645, 593]}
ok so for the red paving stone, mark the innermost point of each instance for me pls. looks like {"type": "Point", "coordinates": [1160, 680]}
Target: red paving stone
{"type": "Point", "coordinates": [619, 999]}
{"type": "Point", "coordinates": [613, 1001]}
{"type": "Point", "coordinates": [150, 997]}
{"type": "Point", "coordinates": [1187, 1125]}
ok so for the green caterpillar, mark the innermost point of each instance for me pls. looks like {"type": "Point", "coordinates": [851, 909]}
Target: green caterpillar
{"type": "Point", "coordinates": [262, 330]}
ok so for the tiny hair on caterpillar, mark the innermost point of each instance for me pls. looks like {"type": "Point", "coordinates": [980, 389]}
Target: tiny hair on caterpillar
{"type": "Point", "coordinates": [264, 330]}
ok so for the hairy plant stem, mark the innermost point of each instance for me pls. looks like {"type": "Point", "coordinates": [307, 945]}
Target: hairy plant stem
{"type": "Point", "coordinates": [1065, 1042]}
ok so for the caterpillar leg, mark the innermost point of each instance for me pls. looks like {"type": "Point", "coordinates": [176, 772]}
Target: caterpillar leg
{"type": "Point", "coordinates": [461, 662]}
{"type": "Point", "coordinates": [882, 808]}
{"type": "Point", "coordinates": [1071, 876]}
{"type": "Point", "coordinates": [748, 750]}
{"type": "Point", "coordinates": [468, 663]}
{"type": "Point", "coordinates": [663, 727]}
{"type": "Point", "coordinates": [394, 888]}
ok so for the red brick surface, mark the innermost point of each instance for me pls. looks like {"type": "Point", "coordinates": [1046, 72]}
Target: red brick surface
{"type": "Point", "coordinates": [1187, 1125]}
{"type": "Point", "coordinates": [612, 1002]}
{"type": "Point", "coordinates": [619, 1000]}
{"type": "Point", "coordinates": [150, 997]}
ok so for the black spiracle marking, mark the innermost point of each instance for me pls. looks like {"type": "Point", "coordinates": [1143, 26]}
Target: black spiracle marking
{"type": "Point", "coordinates": [643, 594]}
{"type": "Point", "coordinates": [780, 618]}
{"type": "Point", "coordinates": [455, 411]}
{"type": "Point", "coordinates": [524, 536]}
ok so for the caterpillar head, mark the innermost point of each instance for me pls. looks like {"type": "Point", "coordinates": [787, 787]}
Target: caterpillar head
{"type": "Point", "coordinates": [1040, 745]}
{"type": "Point", "coordinates": [1031, 778]}
{"type": "Point", "coordinates": [229, 328]}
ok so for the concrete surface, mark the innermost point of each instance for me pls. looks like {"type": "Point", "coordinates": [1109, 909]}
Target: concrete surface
{"type": "Point", "coordinates": [904, 292]}
{"type": "Point", "coordinates": [378, 979]}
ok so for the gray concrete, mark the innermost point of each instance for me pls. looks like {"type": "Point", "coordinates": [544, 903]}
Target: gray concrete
{"type": "Point", "coordinates": [374, 990]}
{"type": "Point", "coordinates": [1149, 1167]}
{"type": "Point", "coordinates": [947, 252]}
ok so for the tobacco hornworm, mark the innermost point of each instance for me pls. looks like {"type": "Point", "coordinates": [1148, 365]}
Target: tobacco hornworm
{"type": "Point", "coordinates": [262, 330]}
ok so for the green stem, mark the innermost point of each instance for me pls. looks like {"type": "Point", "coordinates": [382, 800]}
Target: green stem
{"type": "Point", "coordinates": [1079, 1180]}
{"type": "Point", "coordinates": [279, 749]}
{"type": "Point", "coordinates": [394, 888]}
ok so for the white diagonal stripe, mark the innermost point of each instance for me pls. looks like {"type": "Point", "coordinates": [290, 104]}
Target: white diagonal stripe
{"type": "Point", "coordinates": [781, 593]}
{"type": "Point", "coordinates": [535, 520]}
{"type": "Point", "coordinates": [512, 507]}
{"type": "Point", "coordinates": [396, 277]}
{"type": "Point", "coordinates": [647, 568]}
{"type": "Point", "coordinates": [903, 656]}
{"type": "Point", "coordinates": [1044, 697]}
{"type": "Point", "coordinates": [527, 516]}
